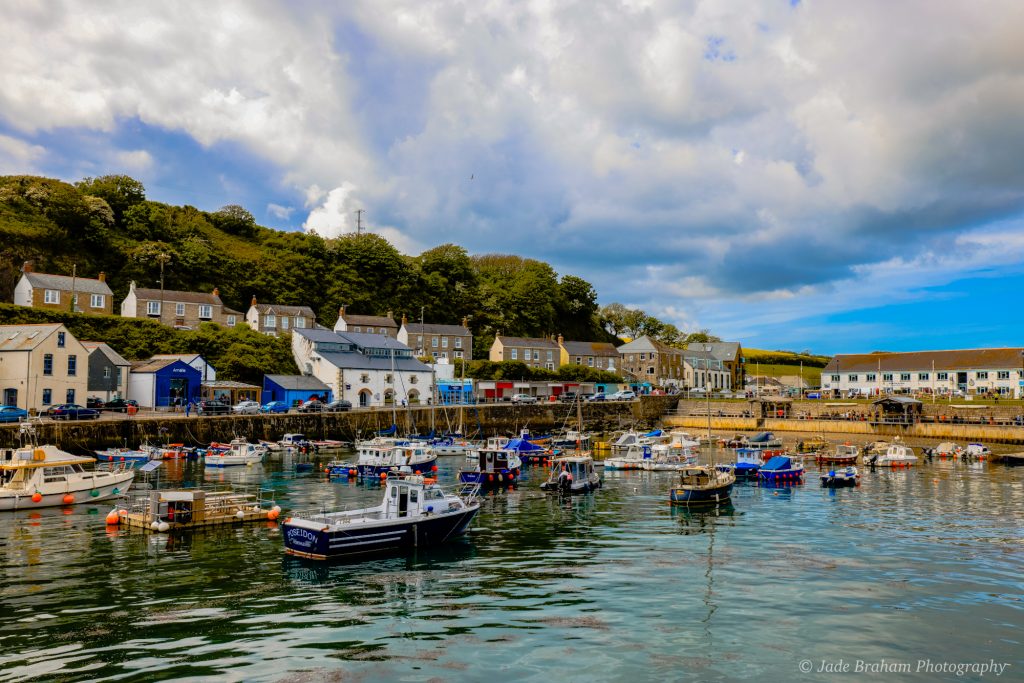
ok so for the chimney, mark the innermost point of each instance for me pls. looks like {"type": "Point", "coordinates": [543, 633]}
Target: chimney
{"type": "Point", "coordinates": [253, 300]}
{"type": "Point", "coordinates": [405, 320]}
{"type": "Point", "coordinates": [26, 267]}
{"type": "Point", "coordinates": [216, 291]}
{"type": "Point", "coordinates": [102, 277]}
{"type": "Point", "coordinates": [341, 312]}
{"type": "Point", "coordinates": [465, 322]}
{"type": "Point", "coordinates": [391, 315]}
{"type": "Point", "coordinates": [131, 287]}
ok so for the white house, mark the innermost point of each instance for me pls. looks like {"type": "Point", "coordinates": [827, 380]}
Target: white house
{"type": "Point", "coordinates": [42, 365]}
{"type": "Point", "coordinates": [366, 369]}
{"type": "Point", "coordinates": [966, 371]}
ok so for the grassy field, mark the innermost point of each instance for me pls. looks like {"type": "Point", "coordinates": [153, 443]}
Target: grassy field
{"type": "Point", "coordinates": [811, 375]}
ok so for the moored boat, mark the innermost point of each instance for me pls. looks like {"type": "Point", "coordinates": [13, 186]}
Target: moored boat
{"type": "Point", "coordinates": [815, 444]}
{"type": "Point", "coordinates": [702, 485]}
{"type": "Point", "coordinates": [977, 451]}
{"type": "Point", "coordinates": [495, 469]}
{"type": "Point", "coordinates": [781, 468]}
{"type": "Point", "coordinates": [376, 460]}
{"type": "Point", "coordinates": [633, 458]}
{"type": "Point", "coordinates": [945, 450]}
{"type": "Point", "coordinates": [122, 455]}
{"type": "Point", "coordinates": [896, 455]}
{"type": "Point", "coordinates": [844, 454]}
{"type": "Point", "coordinates": [748, 462]}
{"type": "Point", "coordinates": [572, 474]}
{"type": "Point", "coordinates": [414, 513]}
{"type": "Point", "coordinates": [847, 476]}
{"type": "Point", "coordinates": [240, 452]}
{"type": "Point", "coordinates": [664, 458]}
{"type": "Point", "coordinates": [170, 510]}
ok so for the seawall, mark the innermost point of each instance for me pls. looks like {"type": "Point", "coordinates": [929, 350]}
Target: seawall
{"type": "Point", "coordinates": [485, 420]}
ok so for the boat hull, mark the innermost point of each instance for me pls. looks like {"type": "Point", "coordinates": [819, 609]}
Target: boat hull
{"type": "Point", "coordinates": [837, 482]}
{"type": "Point", "coordinates": [489, 480]}
{"type": "Point", "coordinates": [374, 471]}
{"type": "Point", "coordinates": [574, 487]}
{"type": "Point", "coordinates": [795, 474]}
{"type": "Point", "coordinates": [397, 535]}
{"type": "Point", "coordinates": [682, 495]}
{"type": "Point", "coordinates": [112, 487]}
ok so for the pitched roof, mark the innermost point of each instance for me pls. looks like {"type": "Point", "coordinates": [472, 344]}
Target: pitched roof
{"type": "Point", "coordinates": [432, 328]}
{"type": "Point", "coordinates": [373, 341]}
{"type": "Point", "coordinates": [25, 337]}
{"type": "Point", "coordinates": [357, 361]}
{"type": "Point", "coordinates": [65, 283]}
{"type": "Point", "coordinates": [112, 355]}
{"type": "Point", "coordinates": [646, 343]}
{"type": "Point", "coordinates": [281, 309]}
{"type": "Point", "coordinates": [152, 364]}
{"type": "Point", "coordinates": [320, 334]}
{"type": "Point", "coordinates": [175, 296]}
{"type": "Point", "coordinates": [296, 382]}
{"type": "Point", "coordinates": [540, 342]}
{"type": "Point", "coordinates": [724, 351]}
{"type": "Point", "coordinates": [578, 348]}
{"type": "Point", "coordinates": [231, 311]}
{"type": "Point", "coordinates": [963, 359]}
{"type": "Point", "coordinates": [369, 320]}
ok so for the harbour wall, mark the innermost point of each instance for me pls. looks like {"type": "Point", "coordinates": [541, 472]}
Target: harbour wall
{"type": "Point", "coordinates": [484, 420]}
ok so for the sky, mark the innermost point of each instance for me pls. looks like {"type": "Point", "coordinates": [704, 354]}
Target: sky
{"type": "Point", "coordinates": [794, 174]}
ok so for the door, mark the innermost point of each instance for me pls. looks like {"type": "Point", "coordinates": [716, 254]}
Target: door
{"type": "Point", "coordinates": [10, 397]}
{"type": "Point", "coordinates": [961, 381]}
{"type": "Point", "coordinates": [364, 399]}
{"type": "Point", "coordinates": [403, 501]}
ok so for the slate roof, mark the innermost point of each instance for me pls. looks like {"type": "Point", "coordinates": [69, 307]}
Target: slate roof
{"type": "Point", "coordinates": [964, 359]}
{"type": "Point", "coordinates": [578, 348]}
{"type": "Point", "coordinates": [372, 341]}
{"type": "Point", "coordinates": [369, 320]}
{"type": "Point", "coordinates": [175, 296]}
{"type": "Point", "coordinates": [432, 328]}
{"type": "Point", "coordinates": [357, 361]}
{"type": "Point", "coordinates": [281, 309]}
{"type": "Point", "coordinates": [321, 334]}
{"type": "Point", "coordinates": [65, 282]}
{"type": "Point", "coordinates": [645, 343]}
{"type": "Point", "coordinates": [20, 337]}
{"type": "Point", "coordinates": [153, 365]}
{"type": "Point", "coordinates": [539, 342]}
{"type": "Point", "coordinates": [297, 382]}
{"type": "Point", "coordinates": [104, 348]}
{"type": "Point", "coordinates": [724, 351]}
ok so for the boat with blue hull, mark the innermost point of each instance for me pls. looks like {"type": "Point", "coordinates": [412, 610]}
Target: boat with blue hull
{"type": "Point", "coordinates": [377, 460]}
{"type": "Point", "coordinates": [748, 462]}
{"type": "Point", "coordinates": [701, 485]}
{"type": "Point", "coordinates": [415, 513]}
{"type": "Point", "coordinates": [496, 468]}
{"type": "Point", "coordinates": [781, 469]}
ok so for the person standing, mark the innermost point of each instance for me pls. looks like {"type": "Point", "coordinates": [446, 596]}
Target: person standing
{"type": "Point", "coordinates": [188, 408]}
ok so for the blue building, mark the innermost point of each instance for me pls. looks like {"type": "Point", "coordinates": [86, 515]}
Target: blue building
{"type": "Point", "coordinates": [164, 382]}
{"type": "Point", "coordinates": [454, 391]}
{"type": "Point", "coordinates": [294, 389]}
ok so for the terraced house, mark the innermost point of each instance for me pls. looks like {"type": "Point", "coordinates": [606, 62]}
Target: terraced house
{"type": "Point", "coordinates": [273, 319]}
{"type": "Point", "coordinates": [183, 310]}
{"type": "Point", "coordinates": [42, 365]}
{"type": "Point", "coordinates": [600, 355]}
{"type": "Point", "coordinates": [438, 341]}
{"type": "Point", "coordinates": [56, 292]}
{"type": "Point", "coordinates": [649, 361]}
{"type": "Point", "coordinates": [537, 352]}
{"type": "Point", "coordinates": [366, 324]}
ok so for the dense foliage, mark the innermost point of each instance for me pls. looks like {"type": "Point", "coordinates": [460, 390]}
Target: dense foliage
{"type": "Point", "coordinates": [238, 353]}
{"type": "Point", "coordinates": [518, 370]}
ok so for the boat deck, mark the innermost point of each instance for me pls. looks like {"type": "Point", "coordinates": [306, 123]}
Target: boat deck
{"type": "Point", "coordinates": [220, 509]}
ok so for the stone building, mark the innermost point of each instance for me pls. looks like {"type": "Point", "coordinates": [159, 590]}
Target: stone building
{"type": "Point", "coordinates": [183, 310]}
{"type": "Point", "coordinates": [438, 341]}
{"type": "Point", "coordinates": [56, 292]}
{"type": "Point", "coordinates": [366, 324]}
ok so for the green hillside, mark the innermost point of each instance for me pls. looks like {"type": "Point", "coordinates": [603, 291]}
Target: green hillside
{"type": "Point", "coordinates": [765, 357]}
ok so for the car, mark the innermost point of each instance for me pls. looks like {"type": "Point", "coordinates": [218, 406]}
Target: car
{"type": "Point", "coordinates": [523, 398]}
{"type": "Point", "coordinates": [274, 407]}
{"type": "Point", "coordinates": [94, 402]}
{"type": "Point", "coordinates": [72, 411]}
{"type": "Point", "coordinates": [338, 406]}
{"type": "Point", "coordinates": [120, 405]}
{"type": "Point", "coordinates": [311, 406]}
{"type": "Point", "coordinates": [212, 407]}
{"type": "Point", "coordinates": [246, 408]}
{"type": "Point", "coordinates": [596, 397]}
{"type": "Point", "coordinates": [567, 397]}
{"type": "Point", "coordinates": [622, 396]}
{"type": "Point", "coordinates": [12, 414]}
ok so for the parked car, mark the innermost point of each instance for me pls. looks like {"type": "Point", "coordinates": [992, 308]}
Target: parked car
{"type": "Point", "coordinates": [338, 406]}
{"type": "Point", "coordinates": [246, 408]}
{"type": "Point", "coordinates": [622, 396]}
{"type": "Point", "coordinates": [274, 407]}
{"type": "Point", "coordinates": [120, 405]}
{"type": "Point", "coordinates": [73, 411]}
{"type": "Point", "coordinates": [523, 398]}
{"type": "Point", "coordinates": [94, 402]}
{"type": "Point", "coordinates": [567, 397]}
{"type": "Point", "coordinates": [596, 397]}
{"type": "Point", "coordinates": [12, 414]}
{"type": "Point", "coordinates": [212, 407]}
{"type": "Point", "coordinates": [311, 407]}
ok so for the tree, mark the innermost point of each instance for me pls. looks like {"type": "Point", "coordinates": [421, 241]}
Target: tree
{"type": "Point", "coordinates": [575, 308]}
{"type": "Point", "coordinates": [121, 192]}
{"type": "Point", "coordinates": [234, 219]}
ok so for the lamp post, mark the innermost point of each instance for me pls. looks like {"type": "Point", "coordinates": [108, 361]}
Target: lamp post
{"type": "Point", "coordinates": [163, 258]}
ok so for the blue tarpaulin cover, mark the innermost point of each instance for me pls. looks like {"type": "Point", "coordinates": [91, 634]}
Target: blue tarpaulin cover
{"type": "Point", "coordinates": [779, 462]}
{"type": "Point", "coordinates": [522, 446]}
{"type": "Point", "coordinates": [656, 432]}
{"type": "Point", "coordinates": [761, 438]}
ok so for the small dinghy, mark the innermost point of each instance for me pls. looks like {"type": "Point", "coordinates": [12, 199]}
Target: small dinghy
{"type": "Point", "coordinates": [833, 479]}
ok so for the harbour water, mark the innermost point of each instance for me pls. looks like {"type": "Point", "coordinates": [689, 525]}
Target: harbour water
{"type": "Point", "coordinates": [918, 564]}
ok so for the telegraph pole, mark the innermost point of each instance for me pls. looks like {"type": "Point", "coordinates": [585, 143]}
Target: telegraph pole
{"type": "Point", "coordinates": [359, 221]}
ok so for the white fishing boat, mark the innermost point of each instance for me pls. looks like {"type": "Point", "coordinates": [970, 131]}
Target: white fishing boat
{"type": "Point", "coordinates": [977, 451]}
{"type": "Point", "coordinates": [896, 455]}
{"type": "Point", "coordinates": [664, 458]}
{"type": "Point", "coordinates": [375, 460]}
{"type": "Point", "coordinates": [634, 438]}
{"type": "Point", "coordinates": [451, 447]}
{"type": "Point", "coordinates": [35, 476]}
{"type": "Point", "coordinates": [240, 452]}
{"type": "Point", "coordinates": [632, 458]}
{"type": "Point", "coordinates": [572, 474]}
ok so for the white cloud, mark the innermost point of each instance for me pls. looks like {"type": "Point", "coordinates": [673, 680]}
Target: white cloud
{"type": "Point", "coordinates": [18, 156]}
{"type": "Point", "coordinates": [133, 161]}
{"type": "Point", "coordinates": [335, 216]}
{"type": "Point", "coordinates": [278, 211]}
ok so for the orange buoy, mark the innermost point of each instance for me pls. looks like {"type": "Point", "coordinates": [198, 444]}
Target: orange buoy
{"type": "Point", "coordinates": [37, 497]}
{"type": "Point", "coordinates": [113, 518]}
{"type": "Point", "coordinates": [69, 499]}
{"type": "Point", "coordinates": [272, 515]}
{"type": "Point", "coordinates": [383, 475]}
{"type": "Point", "coordinates": [434, 468]}
{"type": "Point", "coordinates": [353, 472]}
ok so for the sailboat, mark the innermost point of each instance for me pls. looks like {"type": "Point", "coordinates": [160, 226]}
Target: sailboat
{"type": "Point", "coordinates": [573, 473]}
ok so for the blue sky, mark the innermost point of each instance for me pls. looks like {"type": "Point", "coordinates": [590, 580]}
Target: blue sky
{"type": "Point", "coordinates": [827, 176]}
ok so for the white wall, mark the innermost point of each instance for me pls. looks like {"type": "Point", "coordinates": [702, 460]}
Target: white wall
{"type": "Point", "coordinates": [128, 306]}
{"type": "Point", "coordinates": [142, 388]}
{"type": "Point", "coordinates": [23, 292]}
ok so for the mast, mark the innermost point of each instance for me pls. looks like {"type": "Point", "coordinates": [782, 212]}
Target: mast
{"type": "Point", "coordinates": [394, 396]}
{"type": "Point", "coordinates": [579, 421]}
{"type": "Point", "coordinates": [462, 400]}
{"type": "Point", "coordinates": [707, 397]}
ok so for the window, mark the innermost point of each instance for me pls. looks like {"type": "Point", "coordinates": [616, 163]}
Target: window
{"type": "Point", "coordinates": [106, 372]}
{"type": "Point", "coordinates": [643, 356]}
{"type": "Point", "coordinates": [550, 357]}
{"type": "Point", "coordinates": [284, 322]}
{"type": "Point", "coordinates": [590, 361]}
{"type": "Point", "coordinates": [51, 296]}
{"type": "Point", "coordinates": [852, 378]}
{"type": "Point", "coordinates": [835, 378]}
{"type": "Point", "coordinates": [650, 370]}
{"type": "Point", "coordinates": [231, 321]}
{"type": "Point", "coordinates": [433, 342]}
{"type": "Point", "coordinates": [434, 354]}
{"type": "Point", "coordinates": [152, 308]}
{"type": "Point", "coordinates": [205, 311]}
{"type": "Point", "coordinates": [47, 397]}
{"type": "Point", "coordinates": [871, 377]}
{"type": "Point", "coordinates": [48, 364]}
{"type": "Point", "coordinates": [60, 340]}
{"type": "Point", "coordinates": [70, 396]}
{"type": "Point", "coordinates": [579, 360]}
{"type": "Point", "coordinates": [179, 310]}
{"type": "Point", "coordinates": [119, 377]}
{"type": "Point", "coordinates": [922, 376]}
{"type": "Point", "coordinates": [444, 342]}
{"type": "Point", "coordinates": [97, 300]}
{"type": "Point", "coordinates": [1003, 374]}
{"type": "Point", "coordinates": [943, 376]}
{"type": "Point", "coordinates": [369, 330]}
{"type": "Point", "coordinates": [364, 378]}
{"type": "Point", "coordinates": [389, 379]}
{"type": "Point", "coordinates": [414, 379]}
{"type": "Point", "coordinates": [269, 320]}
{"type": "Point", "coordinates": [630, 358]}
{"type": "Point", "coordinates": [72, 366]}
{"type": "Point", "coordinates": [904, 376]}
{"type": "Point", "coordinates": [458, 354]}
{"type": "Point", "coordinates": [536, 356]}
{"type": "Point", "coordinates": [458, 342]}
{"type": "Point", "coordinates": [300, 322]}
{"type": "Point", "coordinates": [982, 375]}
{"type": "Point", "coordinates": [515, 354]}
{"type": "Point", "coordinates": [419, 339]}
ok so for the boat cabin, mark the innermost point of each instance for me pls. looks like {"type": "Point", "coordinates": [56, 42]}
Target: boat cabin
{"type": "Point", "coordinates": [412, 496]}
{"type": "Point", "coordinates": [846, 450]}
{"type": "Point", "coordinates": [496, 461]}
{"type": "Point", "coordinates": [496, 442]}
{"type": "Point", "coordinates": [579, 467]}
{"type": "Point", "coordinates": [293, 440]}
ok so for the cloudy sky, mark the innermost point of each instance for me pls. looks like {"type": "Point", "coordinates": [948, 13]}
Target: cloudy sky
{"type": "Point", "coordinates": [838, 176]}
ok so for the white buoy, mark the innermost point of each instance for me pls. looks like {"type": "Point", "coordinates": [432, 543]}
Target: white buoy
{"type": "Point", "coordinates": [164, 526]}
{"type": "Point", "coordinates": [155, 525]}
{"type": "Point", "coordinates": [240, 514]}
{"type": "Point", "coordinates": [277, 509]}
